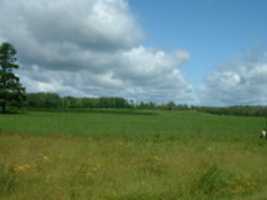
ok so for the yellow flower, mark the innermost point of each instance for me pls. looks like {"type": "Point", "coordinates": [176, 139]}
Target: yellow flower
{"type": "Point", "coordinates": [45, 158]}
{"type": "Point", "coordinates": [22, 168]}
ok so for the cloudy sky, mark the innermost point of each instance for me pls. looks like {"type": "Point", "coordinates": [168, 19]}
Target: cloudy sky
{"type": "Point", "coordinates": [197, 52]}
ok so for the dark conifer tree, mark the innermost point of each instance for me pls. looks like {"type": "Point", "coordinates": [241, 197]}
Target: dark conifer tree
{"type": "Point", "coordinates": [11, 91]}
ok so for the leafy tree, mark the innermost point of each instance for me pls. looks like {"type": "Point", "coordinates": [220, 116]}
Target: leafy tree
{"type": "Point", "coordinates": [44, 100]}
{"type": "Point", "coordinates": [171, 105]}
{"type": "Point", "coordinates": [11, 91]}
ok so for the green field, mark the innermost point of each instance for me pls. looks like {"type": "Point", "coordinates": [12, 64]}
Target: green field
{"type": "Point", "coordinates": [131, 155]}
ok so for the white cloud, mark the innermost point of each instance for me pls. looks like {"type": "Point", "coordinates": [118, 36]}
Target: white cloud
{"type": "Point", "coordinates": [240, 82]}
{"type": "Point", "coordinates": [101, 24]}
{"type": "Point", "coordinates": [90, 48]}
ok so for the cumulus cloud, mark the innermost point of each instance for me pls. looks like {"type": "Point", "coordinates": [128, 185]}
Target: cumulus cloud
{"type": "Point", "coordinates": [239, 82]}
{"type": "Point", "coordinates": [90, 48]}
{"type": "Point", "coordinates": [139, 73]}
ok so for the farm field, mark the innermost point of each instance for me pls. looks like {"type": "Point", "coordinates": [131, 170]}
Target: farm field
{"type": "Point", "coordinates": [131, 155]}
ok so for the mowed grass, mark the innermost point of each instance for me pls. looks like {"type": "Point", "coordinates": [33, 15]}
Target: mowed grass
{"type": "Point", "coordinates": [131, 156]}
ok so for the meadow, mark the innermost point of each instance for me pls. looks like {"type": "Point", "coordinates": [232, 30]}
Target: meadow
{"type": "Point", "coordinates": [131, 155]}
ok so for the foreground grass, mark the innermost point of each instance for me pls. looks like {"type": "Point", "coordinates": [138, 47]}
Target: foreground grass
{"type": "Point", "coordinates": [134, 157]}
{"type": "Point", "coordinates": [34, 167]}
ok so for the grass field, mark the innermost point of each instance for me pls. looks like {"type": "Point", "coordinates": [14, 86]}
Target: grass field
{"type": "Point", "coordinates": [131, 155]}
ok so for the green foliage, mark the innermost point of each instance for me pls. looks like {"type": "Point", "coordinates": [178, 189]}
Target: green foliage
{"type": "Point", "coordinates": [235, 110]}
{"type": "Point", "coordinates": [11, 91]}
{"type": "Point", "coordinates": [43, 100]}
{"type": "Point", "coordinates": [54, 101]}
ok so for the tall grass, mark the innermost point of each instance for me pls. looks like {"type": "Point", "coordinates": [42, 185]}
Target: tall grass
{"type": "Point", "coordinates": [7, 180]}
{"type": "Point", "coordinates": [167, 155]}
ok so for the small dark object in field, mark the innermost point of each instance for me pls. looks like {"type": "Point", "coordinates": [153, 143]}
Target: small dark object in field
{"type": "Point", "coordinates": [263, 134]}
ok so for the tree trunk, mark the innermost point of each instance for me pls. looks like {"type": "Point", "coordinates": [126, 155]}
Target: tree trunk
{"type": "Point", "coordinates": [4, 107]}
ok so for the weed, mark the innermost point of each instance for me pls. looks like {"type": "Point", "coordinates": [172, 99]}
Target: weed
{"type": "Point", "coordinates": [7, 180]}
{"type": "Point", "coordinates": [217, 182]}
{"type": "Point", "coordinates": [214, 181]}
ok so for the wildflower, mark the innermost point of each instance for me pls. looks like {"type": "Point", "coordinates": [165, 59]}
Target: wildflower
{"type": "Point", "coordinates": [22, 168]}
{"type": "Point", "coordinates": [45, 158]}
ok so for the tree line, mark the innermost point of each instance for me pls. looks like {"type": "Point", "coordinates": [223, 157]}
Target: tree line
{"type": "Point", "coordinates": [43, 100]}
{"type": "Point", "coordinates": [240, 110]}
{"type": "Point", "coordinates": [54, 101]}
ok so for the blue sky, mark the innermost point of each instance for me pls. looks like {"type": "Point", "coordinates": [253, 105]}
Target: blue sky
{"type": "Point", "coordinates": [186, 51]}
{"type": "Point", "coordinates": [213, 31]}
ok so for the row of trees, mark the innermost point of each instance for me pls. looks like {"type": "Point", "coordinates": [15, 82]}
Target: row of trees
{"type": "Point", "coordinates": [54, 101]}
{"type": "Point", "coordinates": [235, 110]}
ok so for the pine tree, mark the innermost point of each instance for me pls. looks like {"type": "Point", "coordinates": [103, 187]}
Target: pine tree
{"type": "Point", "coordinates": [11, 91]}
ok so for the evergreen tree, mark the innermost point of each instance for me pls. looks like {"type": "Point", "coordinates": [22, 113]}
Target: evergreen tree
{"type": "Point", "coordinates": [11, 91]}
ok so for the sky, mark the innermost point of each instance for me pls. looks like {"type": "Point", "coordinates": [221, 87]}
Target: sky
{"type": "Point", "coordinates": [211, 30]}
{"type": "Point", "coordinates": [207, 52]}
